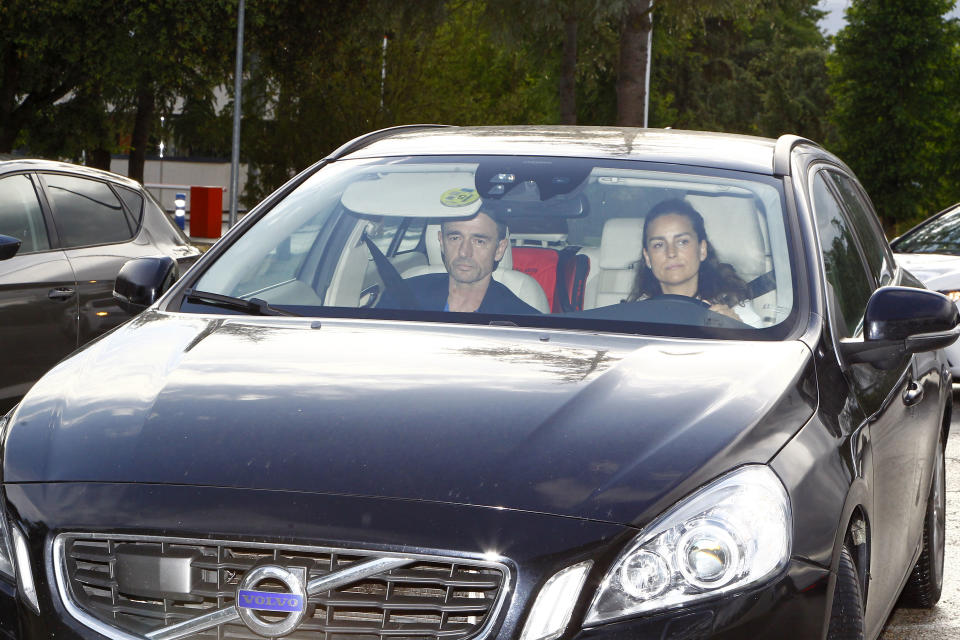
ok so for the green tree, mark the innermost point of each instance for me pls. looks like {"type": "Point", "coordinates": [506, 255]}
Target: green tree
{"type": "Point", "coordinates": [892, 77]}
{"type": "Point", "coordinates": [96, 76]}
{"type": "Point", "coordinates": [552, 35]}
{"type": "Point", "coordinates": [635, 31]}
{"type": "Point", "coordinates": [48, 50]}
{"type": "Point", "coordinates": [762, 73]}
{"type": "Point", "coordinates": [317, 77]}
{"type": "Point", "coordinates": [174, 49]}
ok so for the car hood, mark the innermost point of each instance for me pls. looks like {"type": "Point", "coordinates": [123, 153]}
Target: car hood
{"type": "Point", "coordinates": [935, 270]}
{"type": "Point", "coordinates": [597, 426]}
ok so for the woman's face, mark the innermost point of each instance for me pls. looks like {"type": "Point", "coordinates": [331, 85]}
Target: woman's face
{"type": "Point", "coordinates": [674, 253]}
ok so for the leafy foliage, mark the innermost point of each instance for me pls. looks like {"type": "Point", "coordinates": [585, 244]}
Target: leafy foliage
{"type": "Point", "coordinates": [441, 64]}
{"type": "Point", "coordinates": [76, 73]}
{"type": "Point", "coordinates": [92, 79]}
{"type": "Point", "coordinates": [760, 73]}
{"type": "Point", "coordinates": [894, 81]}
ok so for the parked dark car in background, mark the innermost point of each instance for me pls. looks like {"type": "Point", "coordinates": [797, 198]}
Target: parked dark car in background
{"type": "Point", "coordinates": [931, 251]}
{"type": "Point", "coordinates": [295, 439]}
{"type": "Point", "coordinates": [76, 227]}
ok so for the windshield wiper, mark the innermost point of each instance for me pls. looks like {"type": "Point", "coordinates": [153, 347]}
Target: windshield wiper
{"type": "Point", "coordinates": [253, 305]}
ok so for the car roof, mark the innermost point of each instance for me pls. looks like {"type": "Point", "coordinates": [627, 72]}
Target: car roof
{"type": "Point", "coordinates": [698, 148]}
{"type": "Point", "coordinates": [36, 164]}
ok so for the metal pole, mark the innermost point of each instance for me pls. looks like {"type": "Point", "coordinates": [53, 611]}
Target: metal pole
{"type": "Point", "coordinates": [383, 68]}
{"type": "Point", "coordinates": [235, 159]}
{"type": "Point", "coordinates": [162, 121]}
{"type": "Point", "coordinates": [646, 92]}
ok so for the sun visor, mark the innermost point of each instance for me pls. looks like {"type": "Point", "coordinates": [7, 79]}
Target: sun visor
{"type": "Point", "coordinates": [429, 194]}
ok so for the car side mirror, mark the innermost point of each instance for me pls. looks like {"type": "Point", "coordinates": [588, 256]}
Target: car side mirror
{"type": "Point", "coordinates": [901, 320]}
{"type": "Point", "coordinates": [142, 281]}
{"type": "Point", "coordinates": [8, 247]}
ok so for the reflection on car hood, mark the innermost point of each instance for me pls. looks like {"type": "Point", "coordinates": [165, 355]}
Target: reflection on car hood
{"type": "Point", "coordinates": [606, 427]}
{"type": "Point", "coordinates": [935, 270]}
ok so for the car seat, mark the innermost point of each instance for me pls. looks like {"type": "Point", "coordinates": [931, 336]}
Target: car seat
{"type": "Point", "coordinates": [738, 234]}
{"type": "Point", "coordinates": [621, 249]}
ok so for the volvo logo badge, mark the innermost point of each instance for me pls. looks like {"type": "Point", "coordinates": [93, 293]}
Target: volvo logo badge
{"type": "Point", "coordinates": [293, 601]}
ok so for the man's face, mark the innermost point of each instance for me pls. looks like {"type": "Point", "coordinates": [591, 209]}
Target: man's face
{"type": "Point", "coordinates": [471, 248]}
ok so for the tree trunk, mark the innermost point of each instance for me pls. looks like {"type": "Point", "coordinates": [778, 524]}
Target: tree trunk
{"type": "Point", "coordinates": [9, 125]}
{"type": "Point", "coordinates": [568, 72]}
{"type": "Point", "coordinates": [100, 159]}
{"type": "Point", "coordinates": [632, 68]}
{"type": "Point", "coordinates": [8, 135]}
{"type": "Point", "coordinates": [141, 134]}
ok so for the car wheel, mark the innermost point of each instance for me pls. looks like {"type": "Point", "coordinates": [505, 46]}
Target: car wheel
{"type": "Point", "coordinates": [926, 582]}
{"type": "Point", "coordinates": [846, 616]}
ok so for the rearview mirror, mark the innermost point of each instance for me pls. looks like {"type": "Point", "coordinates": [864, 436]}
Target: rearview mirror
{"type": "Point", "coordinates": [901, 320]}
{"type": "Point", "coordinates": [8, 247]}
{"type": "Point", "coordinates": [142, 281]}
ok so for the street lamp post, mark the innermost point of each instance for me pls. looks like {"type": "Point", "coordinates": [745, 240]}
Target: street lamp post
{"type": "Point", "coordinates": [237, 85]}
{"type": "Point", "coordinates": [646, 91]}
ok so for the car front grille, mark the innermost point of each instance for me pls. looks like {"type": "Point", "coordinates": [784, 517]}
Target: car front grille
{"type": "Point", "coordinates": [120, 585]}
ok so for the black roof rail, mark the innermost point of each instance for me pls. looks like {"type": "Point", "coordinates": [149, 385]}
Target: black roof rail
{"type": "Point", "coordinates": [373, 136]}
{"type": "Point", "coordinates": [781, 153]}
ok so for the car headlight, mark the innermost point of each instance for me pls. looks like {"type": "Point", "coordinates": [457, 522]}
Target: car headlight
{"type": "Point", "coordinates": [734, 532]}
{"type": "Point", "coordinates": [6, 559]}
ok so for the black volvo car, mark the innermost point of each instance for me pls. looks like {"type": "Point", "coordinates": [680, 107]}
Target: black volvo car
{"type": "Point", "coordinates": [527, 383]}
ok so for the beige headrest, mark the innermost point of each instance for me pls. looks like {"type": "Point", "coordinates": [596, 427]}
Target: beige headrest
{"type": "Point", "coordinates": [733, 226]}
{"type": "Point", "coordinates": [621, 245]}
{"type": "Point", "coordinates": [433, 244]}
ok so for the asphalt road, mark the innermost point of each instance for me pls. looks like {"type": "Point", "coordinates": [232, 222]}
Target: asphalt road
{"type": "Point", "coordinates": [943, 621]}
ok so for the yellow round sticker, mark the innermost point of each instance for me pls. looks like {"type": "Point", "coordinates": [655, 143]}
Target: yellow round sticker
{"type": "Point", "coordinates": [459, 197]}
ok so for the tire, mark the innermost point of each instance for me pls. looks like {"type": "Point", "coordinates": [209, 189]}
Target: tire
{"type": "Point", "coordinates": [846, 615]}
{"type": "Point", "coordinates": [926, 581]}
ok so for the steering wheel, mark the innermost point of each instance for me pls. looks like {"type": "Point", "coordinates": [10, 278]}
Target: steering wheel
{"type": "Point", "coordinates": [672, 297]}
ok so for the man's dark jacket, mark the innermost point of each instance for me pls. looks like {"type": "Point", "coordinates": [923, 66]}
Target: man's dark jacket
{"type": "Point", "coordinates": [431, 291]}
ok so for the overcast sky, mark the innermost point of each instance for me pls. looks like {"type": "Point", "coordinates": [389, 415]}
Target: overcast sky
{"type": "Point", "coordinates": [833, 21]}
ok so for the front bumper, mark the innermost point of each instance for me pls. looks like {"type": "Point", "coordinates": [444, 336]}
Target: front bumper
{"type": "Point", "coordinates": [533, 546]}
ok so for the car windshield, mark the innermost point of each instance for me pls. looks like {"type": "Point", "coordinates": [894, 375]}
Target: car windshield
{"type": "Point", "coordinates": [938, 235]}
{"type": "Point", "coordinates": [566, 243]}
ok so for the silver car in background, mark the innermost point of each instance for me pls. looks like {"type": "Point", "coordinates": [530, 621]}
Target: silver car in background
{"type": "Point", "coordinates": [931, 252]}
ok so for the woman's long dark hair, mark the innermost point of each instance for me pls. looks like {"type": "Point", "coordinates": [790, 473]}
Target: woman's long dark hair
{"type": "Point", "coordinates": [717, 281]}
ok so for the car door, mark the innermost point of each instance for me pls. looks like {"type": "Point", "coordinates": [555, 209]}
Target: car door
{"type": "Point", "coordinates": [38, 301]}
{"type": "Point", "coordinates": [98, 233]}
{"type": "Point", "coordinates": [855, 266]}
{"type": "Point", "coordinates": [923, 383]}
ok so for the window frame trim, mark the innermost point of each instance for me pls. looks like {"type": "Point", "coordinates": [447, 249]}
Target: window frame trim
{"type": "Point", "coordinates": [812, 171]}
{"type": "Point", "coordinates": [46, 212]}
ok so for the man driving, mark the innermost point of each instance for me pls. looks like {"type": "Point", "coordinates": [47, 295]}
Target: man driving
{"type": "Point", "coordinates": [471, 249]}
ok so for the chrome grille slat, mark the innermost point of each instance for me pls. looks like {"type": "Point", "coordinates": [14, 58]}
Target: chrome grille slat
{"type": "Point", "coordinates": [431, 598]}
{"type": "Point", "coordinates": [403, 602]}
{"type": "Point", "coordinates": [464, 580]}
{"type": "Point", "coordinates": [93, 578]}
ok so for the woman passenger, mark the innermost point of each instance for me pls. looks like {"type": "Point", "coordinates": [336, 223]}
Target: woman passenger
{"type": "Point", "coordinates": [678, 259]}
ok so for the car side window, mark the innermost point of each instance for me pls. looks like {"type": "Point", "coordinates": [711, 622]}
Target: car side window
{"type": "Point", "coordinates": [20, 214]}
{"type": "Point", "coordinates": [134, 202]}
{"type": "Point", "coordinates": [86, 212]}
{"type": "Point", "coordinates": [847, 276]}
{"type": "Point", "coordinates": [873, 242]}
